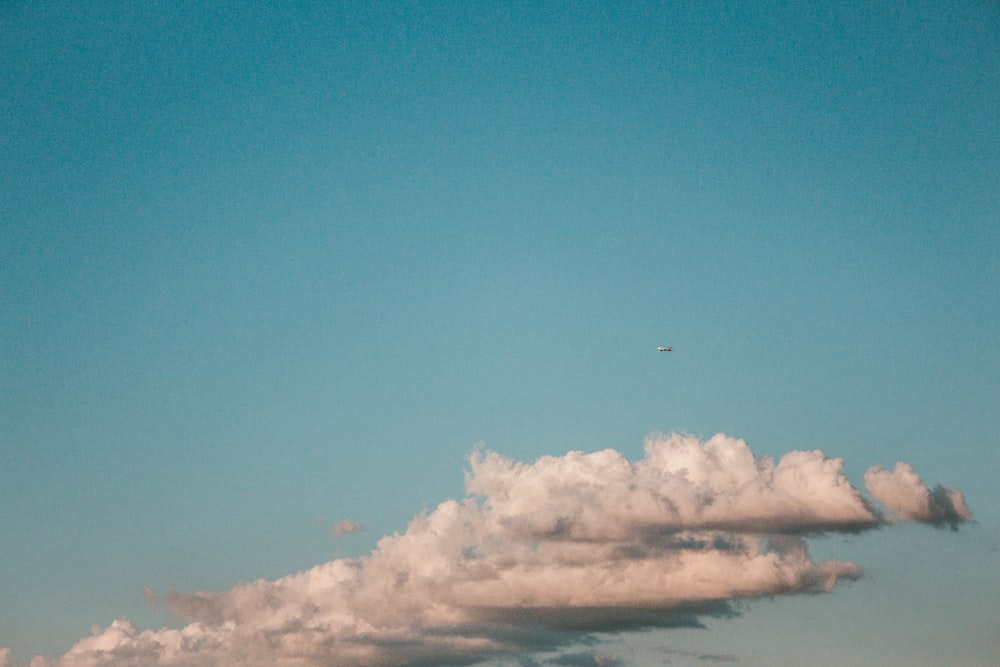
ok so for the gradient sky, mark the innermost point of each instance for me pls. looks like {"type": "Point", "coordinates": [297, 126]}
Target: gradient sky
{"type": "Point", "coordinates": [264, 268]}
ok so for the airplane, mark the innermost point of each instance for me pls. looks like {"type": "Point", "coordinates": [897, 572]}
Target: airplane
{"type": "Point", "coordinates": [665, 349]}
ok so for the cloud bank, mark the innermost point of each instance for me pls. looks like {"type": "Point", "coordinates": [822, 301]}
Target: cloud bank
{"type": "Point", "coordinates": [539, 555]}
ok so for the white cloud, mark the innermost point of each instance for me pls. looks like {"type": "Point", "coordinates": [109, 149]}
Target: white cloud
{"type": "Point", "coordinates": [904, 494]}
{"type": "Point", "coordinates": [535, 557]}
{"type": "Point", "coordinates": [680, 484]}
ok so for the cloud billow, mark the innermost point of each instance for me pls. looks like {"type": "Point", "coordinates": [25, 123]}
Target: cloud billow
{"type": "Point", "coordinates": [903, 492]}
{"type": "Point", "coordinates": [539, 555]}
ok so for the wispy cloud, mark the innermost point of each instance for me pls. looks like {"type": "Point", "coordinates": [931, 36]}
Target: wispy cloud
{"type": "Point", "coordinates": [586, 659]}
{"type": "Point", "coordinates": [539, 555]}
{"type": "Point", "coordinates": [346, 527]}
{"type": "Point", "coordinates": [706, 657]}
{"type": "Point", "coordinates": [150, 595]}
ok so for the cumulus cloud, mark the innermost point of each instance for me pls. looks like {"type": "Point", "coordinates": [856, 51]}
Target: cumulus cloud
{"type": "Point", "coordinates": [904, 493]}
{"type": "Point", "coordinates": [538, 556]}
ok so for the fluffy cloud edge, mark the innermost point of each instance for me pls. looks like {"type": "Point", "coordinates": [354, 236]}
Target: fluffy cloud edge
{"type": "Point", "coordinates": [904, 494]}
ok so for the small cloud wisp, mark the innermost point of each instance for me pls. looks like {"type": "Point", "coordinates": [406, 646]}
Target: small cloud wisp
{"type": "Point", "coordinates": [538, 556]}
{"type": "Point", "coordinates": [346, 527]}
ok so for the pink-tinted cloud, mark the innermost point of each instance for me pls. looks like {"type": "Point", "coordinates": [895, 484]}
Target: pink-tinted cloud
{"type": "Point", "coordinates": [904, 493]}
{"type": "Point", "coordinates": [347, 527]}
{"type": "Point", "coordinates": [150, 595]}
{"type": "Point", "coordinates": [680, 484]}
{"type": "Point", "coordinates": [533, 558]}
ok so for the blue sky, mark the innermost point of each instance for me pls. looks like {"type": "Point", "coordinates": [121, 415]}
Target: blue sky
{"type": "Point", "coordinates": [265, 268]}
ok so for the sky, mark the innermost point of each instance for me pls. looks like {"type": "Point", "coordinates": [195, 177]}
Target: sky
{"type": "Point", "coordinates": [329, 333]}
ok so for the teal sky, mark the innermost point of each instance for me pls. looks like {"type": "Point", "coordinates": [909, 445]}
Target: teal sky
{"type": "Point", "coordinates": [264, 268]}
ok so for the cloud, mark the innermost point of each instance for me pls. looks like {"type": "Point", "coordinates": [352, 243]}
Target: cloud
{"type": "Point", "coordinates": [904, 493]}
{"type": "Point", "coordinates": [586, 659]}
{"type": "Point", "coordinates": [706, 657]}
{"type": "Point", "coordinates": [680, 484]}
{"type": "Point", "coordinates": [536, 557]}
{"type": "Point", "coordinates": [347, 527]}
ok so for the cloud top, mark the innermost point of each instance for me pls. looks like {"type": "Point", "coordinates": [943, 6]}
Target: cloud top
{"type": "Point", "coordinates": [539, 554]}
{"type": "Point", "coordinates": [680, 484]}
